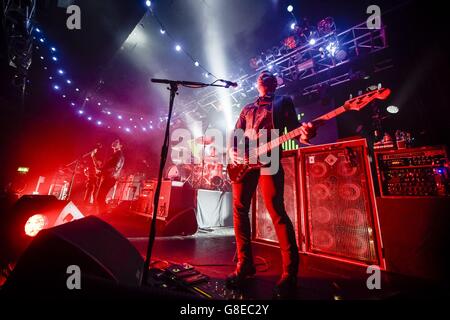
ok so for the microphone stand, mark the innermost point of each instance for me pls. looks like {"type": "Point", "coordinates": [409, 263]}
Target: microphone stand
{"type": "Point", "coordinates": [74, 172]}
{"type": "Point", "coordinates": [174, 84]}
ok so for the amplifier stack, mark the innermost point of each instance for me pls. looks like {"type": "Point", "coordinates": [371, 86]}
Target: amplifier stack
{"type": "Point", "coordinates": [414, 172]}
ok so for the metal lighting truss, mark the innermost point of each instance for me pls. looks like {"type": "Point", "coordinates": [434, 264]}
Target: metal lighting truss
{"type": "Point", "coordinates": [17, 25]}
{"type": "Point", "coordinates": [308, 61]}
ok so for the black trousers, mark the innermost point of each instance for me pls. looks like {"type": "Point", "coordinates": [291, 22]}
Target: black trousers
{"type": "Point", "coordinates": [272, 190]}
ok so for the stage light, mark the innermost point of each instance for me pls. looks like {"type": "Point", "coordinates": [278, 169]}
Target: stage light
{"type": "Point", "coordinates": [131, 119]}
{"type": "Point", "coordinates": [42, 58]}
{"type": "Point", "coordinates": [77, 90]}
{"type": "Point", "coordinates": [72, 104]}
{"type": "Point", "coordinates": [162, 31]}
{"type": "Point", "coordinates": [56, 87]}
{"type": "Point", "coordinates": [148, 3]}
{"type": "Point", "coordinates": [293, 24]}
{"type": "Point", "coordinates": [119, 117]}
{"type": "Point", "coordinates": [99, 103]}
{"type": "Point", "coordinates": [151, 127]}
{"type": "Point", "coordinates": [87, 99]}
{"type": "Point", "coordinates": [206, 75]}
{"type": "Point", "coordinates": [38, 30]}
{"type": "Point", "coordinates": [290, 8]}
{"type": "Point", "coordinates": [89, 118]}
{"type": "Point", "coordinates": [99, 123]}
{"type": "Point", "coordinates": [35, 224]}
{"type": "Point", "coordinates": [144, 129]}
{"type": "Point", "coordinates": [54, 58]}
{"type": "Point", "coordinates": [108, 112]}
{"type": "Point", "coordinates": [60, 71]}
{"type": "Point", "coordinates": [392, 109]}
{"type": "Point", "coordinates": [80, 111]}
{"type": "Point", "coordinates": [270, 67]}
{"type": "Point", "coordinates": [50, 77]}
{"type": "Point", "coordinates": [127, 129]}
{"type": "Point", "coordinates": [41, 40]}
{"type": "Point", "coordinates": [141, 118]}
{"type": "Point", "coordinates": [63, 95]}
{"type": "Point", "coordinates": [312, 41]}
{"type": "Point", "coordinates": [178, 47]}
{"type": "Point", "coordinates": [196, 63]}
{"type": "Point", "coordinates": [53, 49]}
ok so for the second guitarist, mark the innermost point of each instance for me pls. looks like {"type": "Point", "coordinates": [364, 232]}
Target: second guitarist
{"type": "Point", "coordinates": [267, 112]}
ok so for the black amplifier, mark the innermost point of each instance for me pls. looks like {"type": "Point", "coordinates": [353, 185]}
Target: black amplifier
{"type": "Point", "coordinates": [413, 172]}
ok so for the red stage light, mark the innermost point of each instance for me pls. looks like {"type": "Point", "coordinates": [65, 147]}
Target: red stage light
{"type": "Point", "coordinates": [35, 224]}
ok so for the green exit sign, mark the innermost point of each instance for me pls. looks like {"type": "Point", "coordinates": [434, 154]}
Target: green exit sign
{"type": "Point", "coordinates": [23, 170]}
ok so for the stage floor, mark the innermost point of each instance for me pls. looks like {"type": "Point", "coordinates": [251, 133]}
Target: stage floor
{"type": "Point", "coordinates": [212, 252]}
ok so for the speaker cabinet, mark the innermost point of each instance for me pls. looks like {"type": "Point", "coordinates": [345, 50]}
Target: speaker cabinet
{"type": "Point", "coordinates": [91, 244]}
{"type": "Point", "coordinates": [338, 207]}
{"type": "Point", "coordinates": [263, 229]}
{"type": "Point", "coordinates": [176, 207]}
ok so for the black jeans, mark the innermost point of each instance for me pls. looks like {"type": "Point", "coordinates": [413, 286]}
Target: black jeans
{"type": "Point", "coordinates": [272, 190]}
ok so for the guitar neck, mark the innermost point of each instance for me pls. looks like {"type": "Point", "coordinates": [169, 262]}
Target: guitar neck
{"type": "Point", "coordinates": [317, 122]}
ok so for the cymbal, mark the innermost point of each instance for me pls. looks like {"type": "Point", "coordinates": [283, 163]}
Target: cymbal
{"type": "Point", "coordinates": [204, 140]}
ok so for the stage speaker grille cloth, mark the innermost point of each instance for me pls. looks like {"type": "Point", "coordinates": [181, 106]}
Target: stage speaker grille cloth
{"type": "Point", "coordinates": [339, 202]}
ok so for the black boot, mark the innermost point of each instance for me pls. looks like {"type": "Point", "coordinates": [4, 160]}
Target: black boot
{"type": "Point", "coordinates": [242, 272]}
{"type": "Point", "coordinates": [286, 287]}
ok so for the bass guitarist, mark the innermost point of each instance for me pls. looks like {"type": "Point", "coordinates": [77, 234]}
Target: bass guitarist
{"type": "Point", "coordinates": [267, 112]}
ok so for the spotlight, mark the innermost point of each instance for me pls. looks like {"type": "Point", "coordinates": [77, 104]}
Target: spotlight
{"type": "Point", "coordinates": [144, 129]}
{"type": "Point", "coordinates": [80, 111]}
{"type": "Point", "coordinates": [392, 109]}
{"type": "Point", "coordinates": [148, 3]}
{"type": "Point", "coordinates": [60, 71]}
{"type": "Point", "coordinates": [77, 90]}
{"type": "Point", "coordinates": [42, 58]}
{"type": "Point", "coordinates": [35, 224]}
{"type": "Point", "coordinates": [41, 40]}
{"type": "Point", "coordinates": [99, 103]}
{"type": "Point", "coordinates": [293, 24]}
{"type": "Point", "coordinates": [89, 118]}
{"type": "Point", "coordinates": [119, 117]}
{"type": "Point", "coordinates": [127, 129]}
{"type": "Point", "coordinates": [141, 118]}
{"type": "Point", "coordinates": [196, 63]}
{"type": "Point", "coordinates": [54, 58]}
{"type": "Point", "coordinates": [99, 123]}
{"type": "Point", "coordinates": [72, 104]}
{"type": "Point", "coordinates": [162, 31]}
{"type": "Point", "coordinates": [178, 47]}
{"type": "Point", "coordinates": [56, 87]}
{"type": "Point", "coordinates": [69, 81]}
{"type": "Point", "coordinates": [38, 30]}
{"type": "Point", "coordinates": [53, 49]}
{"type": "Point", "coordinates": [108, 113]}
{"type": "Point", "coordinates": [312, 41]}
{"type": "Point", "coordinates": [290, 8]}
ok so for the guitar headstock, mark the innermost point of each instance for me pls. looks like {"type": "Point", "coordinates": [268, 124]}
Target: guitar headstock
{"type": "Point", "coordinates": [361, 101]}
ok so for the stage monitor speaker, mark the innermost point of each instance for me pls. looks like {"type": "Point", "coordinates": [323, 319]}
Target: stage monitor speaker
{"type": "Point", "coordinates": [263, 229]}
{"type": "Point", "coordinates": [91, 244]}
{"type": "Point", "coordinates": [338, 203]}
{"type": "Point", "coordinates": [176, 208]}
{"type": "Point", "coordinates": [32, 213]}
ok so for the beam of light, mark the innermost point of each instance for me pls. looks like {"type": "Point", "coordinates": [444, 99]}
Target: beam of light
{"type": "Point", "coordinates": [215, 54]}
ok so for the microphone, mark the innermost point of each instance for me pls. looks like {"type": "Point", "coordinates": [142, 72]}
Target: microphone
{"type": "Point", "coordinates": [229, 83]}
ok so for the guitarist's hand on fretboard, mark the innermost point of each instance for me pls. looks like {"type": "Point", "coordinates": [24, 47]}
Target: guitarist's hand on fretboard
{"type": "Point", "coordinates": [308, 131]}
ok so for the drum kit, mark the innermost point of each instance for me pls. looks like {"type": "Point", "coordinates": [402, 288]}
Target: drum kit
{"type": "Point", "coordinates": [203, 172]}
